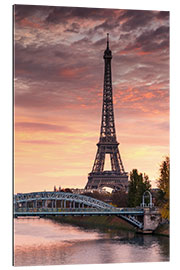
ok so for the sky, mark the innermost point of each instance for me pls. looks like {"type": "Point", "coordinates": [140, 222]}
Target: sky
{"type": "Point", "coordinates": [58, 86]}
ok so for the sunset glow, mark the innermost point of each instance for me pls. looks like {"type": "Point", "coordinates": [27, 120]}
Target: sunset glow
{"type": "Point", "coordinates": [58, 87]}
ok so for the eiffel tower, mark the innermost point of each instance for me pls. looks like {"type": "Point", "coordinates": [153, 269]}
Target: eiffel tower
{"type": "Point", "coordinates": [116, 178]}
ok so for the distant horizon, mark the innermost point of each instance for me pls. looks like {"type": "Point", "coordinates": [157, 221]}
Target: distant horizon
{"type": "Point", "coordinates": [59, 71]}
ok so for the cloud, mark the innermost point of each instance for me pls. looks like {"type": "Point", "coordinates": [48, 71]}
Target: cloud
{"type": "Point", "coordinates": [107, 25]}
{"type": "Point", "coordinates": [38, 142]}
{"type": "Point", "coordinates": [64, 14]}
{"type": "Point", "coordinates": [100, 42]}
{"type": "Point", "coordinates": [154, 40]}
{"type": "Point", "coordinates": [34, 126]}
{"type": "Point", "coordinates": [25, 11]}
{"type": "Point", "coordinates": [163, 15]}
{"type": "Point", "coordinates": [132, 19]}
{"type": "Point", "coordinates": [74, 28]}
{"type": "Point", "coordinates": [150, 41]}
{"type": "Point", "coordinates": [36, 63]}
{"type": "Point", "coordinates": [73, 72]}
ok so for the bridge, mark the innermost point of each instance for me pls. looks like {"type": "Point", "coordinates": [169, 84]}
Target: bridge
{"type": "Point", "coordinates": [44, 204]}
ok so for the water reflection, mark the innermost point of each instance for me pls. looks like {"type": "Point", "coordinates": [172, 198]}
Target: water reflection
{"type": "Point", "coordinates": [44, 242]}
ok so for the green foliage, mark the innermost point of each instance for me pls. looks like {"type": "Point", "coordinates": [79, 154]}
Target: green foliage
{"type": "Point", "coordinates": [163, 181]}
{"type": "Point", "coordinates": [139, 183]}
{"type": "Point", "coordinates": [163, 185]}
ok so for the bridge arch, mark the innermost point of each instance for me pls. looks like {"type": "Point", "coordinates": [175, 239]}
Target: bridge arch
{"type": "Point", "coordinates": [60, 196]}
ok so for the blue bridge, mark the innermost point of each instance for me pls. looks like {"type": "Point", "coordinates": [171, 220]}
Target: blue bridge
{"type": "Point", "coordinates": [44, 204]}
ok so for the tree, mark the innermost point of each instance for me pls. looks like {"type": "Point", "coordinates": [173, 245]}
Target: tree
{"type": "Point", "coordinates": [139, 183]}
{"type": "Point", "coordinates": [163, 185]}
{"type": "Point", "coordinates": [119, 198]}
{"type": "Point", "coordinates": [68, 190]}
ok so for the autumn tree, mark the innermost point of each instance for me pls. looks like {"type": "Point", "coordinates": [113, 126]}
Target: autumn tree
{"type": "Point", "coordinates": [163, 185]}
{"type": "Point", "coordinates": [139, 183]}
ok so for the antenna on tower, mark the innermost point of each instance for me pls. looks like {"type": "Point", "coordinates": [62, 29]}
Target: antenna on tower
{"type": "Point", "coordinates": [107, 40]}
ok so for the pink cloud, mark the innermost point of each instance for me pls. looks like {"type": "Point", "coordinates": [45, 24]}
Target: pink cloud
{"type": "Point", "coordinates": [72, 72]}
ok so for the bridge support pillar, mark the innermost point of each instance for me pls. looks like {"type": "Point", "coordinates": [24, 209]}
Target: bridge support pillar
{"type": "Point", "coordinates": [151, 220]}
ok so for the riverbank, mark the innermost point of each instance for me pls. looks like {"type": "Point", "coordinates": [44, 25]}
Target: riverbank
{"type": "Point", "coordinates": [101, 222]}
{"type": "Point", "coordinates": [163, 230]}
{"type": "Point", "coordinates": [105, 223]}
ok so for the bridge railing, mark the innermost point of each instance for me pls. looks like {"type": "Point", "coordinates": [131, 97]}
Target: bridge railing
{"type": "Point", "coordinates": [129, 209]}
{"type": "Point", "coordinates": [61, 210]}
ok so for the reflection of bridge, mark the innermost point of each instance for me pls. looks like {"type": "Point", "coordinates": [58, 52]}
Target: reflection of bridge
{"type": "Point", "coordinates": [44, 204]}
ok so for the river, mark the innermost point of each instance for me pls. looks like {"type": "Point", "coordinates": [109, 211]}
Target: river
{"type": "Point", "coordinates": [47, 242]}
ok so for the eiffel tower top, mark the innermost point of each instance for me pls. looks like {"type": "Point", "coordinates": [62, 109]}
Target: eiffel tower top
{"type": "Point", "coordinates": [107, 133]}
{"type": "Point", "coordinates": [107, 52]}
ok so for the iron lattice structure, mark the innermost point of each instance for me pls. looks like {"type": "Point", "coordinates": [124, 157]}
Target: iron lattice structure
{"type": "Point", "coordinates": [117, 178]}
{"type": "Point", "coordinates": [60, 196]}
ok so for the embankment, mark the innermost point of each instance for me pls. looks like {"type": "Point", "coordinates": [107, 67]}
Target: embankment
{"type": "Point", "coordinates": [162, 230]}
{"type": "Point", "coordinates": [103, 222]}
{"type": "Point", "coordinates": [106, 222]}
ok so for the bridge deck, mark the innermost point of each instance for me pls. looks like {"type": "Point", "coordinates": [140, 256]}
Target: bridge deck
{"type": "Point", "coordinates": [77, 213]}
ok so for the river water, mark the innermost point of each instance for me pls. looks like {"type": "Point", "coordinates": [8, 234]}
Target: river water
{"type": "Point", "coordinates": [47, 242]}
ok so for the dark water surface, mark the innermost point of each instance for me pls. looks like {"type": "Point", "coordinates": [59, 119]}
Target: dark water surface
{"type": "Point", "coordinates": [46, 242]}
